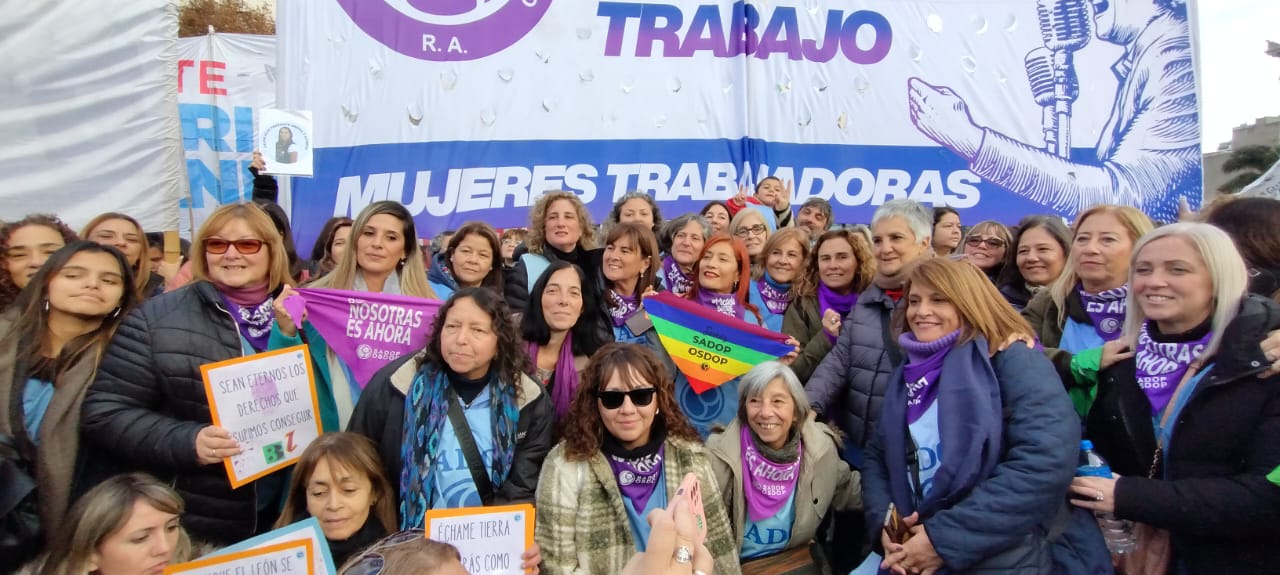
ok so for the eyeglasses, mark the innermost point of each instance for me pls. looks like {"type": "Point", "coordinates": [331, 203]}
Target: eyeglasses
{"type": "Point", "coordinates": [220, 246]}
{"type": "Point", "coordinates": [756, 230]}
{"type": "Point", "coordinates": [371, 562]}
{"type": "Point", "coordinates": [639, 397]}
{"type": "Point", "coordinates": [978, 240]}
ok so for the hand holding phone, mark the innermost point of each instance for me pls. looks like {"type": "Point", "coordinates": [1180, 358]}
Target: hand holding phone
{"type": "Point", "coordinates": [894, 527]}
{"type": "Point", "coordinates": [691, 491]}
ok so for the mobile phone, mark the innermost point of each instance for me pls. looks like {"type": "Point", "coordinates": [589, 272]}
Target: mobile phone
{"type": "Point", "coordinates": [895, 527]}
{"type": "Point", "coordinates": [691, 490]}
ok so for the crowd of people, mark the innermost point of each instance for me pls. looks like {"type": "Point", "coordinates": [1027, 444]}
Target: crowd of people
{"type": "Point", "coordinates": [938, 373]}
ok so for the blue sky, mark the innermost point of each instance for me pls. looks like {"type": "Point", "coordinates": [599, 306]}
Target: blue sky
{"type": "Point", "coordinates": [1238, 81]}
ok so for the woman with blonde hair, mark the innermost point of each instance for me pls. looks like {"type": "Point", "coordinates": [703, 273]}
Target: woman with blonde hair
{"type": "Point", "coordinates": [1085, 307]}
{"type": "Point", "coordinates": [625, 451]}
{"type": "Point", "coordinates": [975, 447]}
{"type": "Point", "coordinates": [147, 408]}
{"type": "Point", "coordinates": [407, 552]}
{"type": "Point", "coordinates": [339, 480]}
{"type": "Point", "coordinates": [988, 245]}
{"type": "Point", "coordinates": [127, 525]}
{"type": "Point", "coordinates": [839, 267]}
{"type": "Point", "coordinates": [1188, 365]}
{"type": "Point", "coordinates": [124, 233]}
{"type": "Point", "coordinates": [383, 257]}
{"type": "Point", "coordinates": [781, 265]}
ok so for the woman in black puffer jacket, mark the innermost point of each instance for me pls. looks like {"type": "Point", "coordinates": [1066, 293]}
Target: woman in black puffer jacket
{"type": "Point", "coordinates": [147, 409]}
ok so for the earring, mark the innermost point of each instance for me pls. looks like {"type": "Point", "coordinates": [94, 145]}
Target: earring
{"type": "Point", "coordinates": [115, 312]}
{"type": "Point", "coordinates": [46, 306]}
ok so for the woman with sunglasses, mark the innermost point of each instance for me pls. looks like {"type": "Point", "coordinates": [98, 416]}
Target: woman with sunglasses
{"type": "Point", "coordinates": [722, 277]}
{"type": "Point", "coordinates": [50, 344]}
{"type": "Point", "coordinates": [489, 450]}
{"type": "Point", "coordinates": [148, 410]}
{"type": "Point", "coordinates": [987, 246]}
{"type": "Point", "coordinates": [384, 258]}
{"type": "Point", "coordinates": [840, 266]}
{"type": "Point", "coordinates": [624, 453]}
{"type": "Point", "coordinates": [783, 262]}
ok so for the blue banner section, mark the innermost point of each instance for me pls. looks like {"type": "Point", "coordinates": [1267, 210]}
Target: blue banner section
{"type": "Point", "coordinates": [502, 179]}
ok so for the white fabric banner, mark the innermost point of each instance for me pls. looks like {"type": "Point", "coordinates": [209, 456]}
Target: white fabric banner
{"type": "Point", "coordinates": [223, 80]}
{"type": "Point", "coordinates": [1266, 186]}
{"type": "Point", "coordinates": [88, 110]}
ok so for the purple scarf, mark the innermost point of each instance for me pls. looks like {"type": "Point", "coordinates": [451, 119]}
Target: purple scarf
{"type": "Point", "coordinates": [1161, 365]}
{"type": "Point", "coordinates": [637, 473]}
{"type": "Point", "coordinates": [920, 374]}
{"type": "Point", "coordinates": [776, 296]}
{"type": "Point", "coordinates": [621, 307]}
{"type": "Point", "coordinates": [725, 303]}
{"type": "Point", "coordinates": [564, 383]}
{"type": "Point", "coordinates": [829, 299]}
{"type": "Point", "coordinates": [674, 278]}
{"type": "Point", "coordinates": [1106, 310]}
{"type": "Point", "coordinates": [768, 485]}
{"type": "Point", "coordinates": [251, 309]}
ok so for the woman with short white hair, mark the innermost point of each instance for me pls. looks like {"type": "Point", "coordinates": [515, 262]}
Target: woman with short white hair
{"type": "Point", "coordinates": [779, 470]}
{"type": "Point", "coordinates": [1187, 366]}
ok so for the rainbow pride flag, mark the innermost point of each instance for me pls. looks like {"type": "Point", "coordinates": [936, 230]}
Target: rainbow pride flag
{"type": "Point", "coordinates": [708, 347]}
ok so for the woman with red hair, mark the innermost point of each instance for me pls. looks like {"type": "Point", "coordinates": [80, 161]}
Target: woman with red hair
{"type": "Point", "coordinates": [722, 282]}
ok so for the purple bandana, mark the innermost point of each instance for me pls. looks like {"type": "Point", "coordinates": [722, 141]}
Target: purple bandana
{"type": "Point", "coordinates": [1161, 366]}
{"type": "Point", "coordinates": [675, 279]}
{"type": "Point", "coordinates": [768, 485]}
{"type": "Point", "coordinates": [1106, 310]}
{"type": "Point", "coordinates": [829, 299]}
{"type": "Point", "coordinates": [621, 307]}
{"type": "Point", "coordinates": [776, 296]}
{"type": "Point", "coordinates": [725, 303]}
{"type": "Point", "coordinates": [924, 365]}
{"type": "Point", "coordinates": [637, 477]}
{"type": "Point", "coordinates": [253, 321]}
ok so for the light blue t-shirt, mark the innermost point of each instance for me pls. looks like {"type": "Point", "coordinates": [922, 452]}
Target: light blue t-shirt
{"type": "Point", "coordinates": [1077, 337]}
{"type": "Point", "coordinates": [772, 321]}
{"type": "Point", "coordinates": [442, 291]}
{"type": "Point", "coordinates": [928, 446]}
{"type": "Point", "coordinates": [36, 396]}
{"type": "Point", "coordinates": [770, 535]}
{"type": "Point", "coordinates": [639, 519]}
{"type": "Point", "coordinates": [622, 334]}
{"type": "Point", "coordinates": [718, 405]}
{"type": "Point", "coordinates": [454, 486]}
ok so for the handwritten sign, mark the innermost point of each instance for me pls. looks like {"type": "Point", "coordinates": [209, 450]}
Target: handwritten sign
{"type": "Point", "coordinates": [291, 558]}
{"type": "Point", "coordinates": [284, 137]}
{"type": "Point", "coordinates": [268, 403]}
{"type": "Point", "coordinates": [490, 539]}
{"type": "Point", "coordinates": [306, 530]}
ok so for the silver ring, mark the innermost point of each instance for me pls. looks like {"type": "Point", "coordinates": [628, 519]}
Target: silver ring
{"type": "Point", "coordinates": [683, 555]}
{"type": "Point", "coordinates": [699, 572]}
{"type": "Point", "coordinates": [1100, 497]}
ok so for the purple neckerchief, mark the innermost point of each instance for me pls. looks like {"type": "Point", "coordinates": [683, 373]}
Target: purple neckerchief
{"type": "Point", "coordinates": [725, 303]}
{"type": "Point", "coordinates": [768, 485]}
{"type": "Point", "coordinates": [1106, 310]}
{"type": "Point", "coordinates": [637, 477]}
{"type": "Point", "coordinates": [621, 307]}
{"type": "Point", "coordinates": [252, 321]}
{"type": "Point", "coordinates": [776, 296]}
{"type": "Point", "coordinates": [1161, 366]}
{"type": "Point", "coordinates": [676, 280]}
{"type": "Point", "coordinates": [564, 384]}
{"type": "Point", "coordinates": [924, 365]}
{"type": "Point", "coordinates": [829, 299]}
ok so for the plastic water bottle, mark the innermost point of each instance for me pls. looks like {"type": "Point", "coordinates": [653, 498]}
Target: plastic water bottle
{"type": "Point", "coordinates": [1118, 532]}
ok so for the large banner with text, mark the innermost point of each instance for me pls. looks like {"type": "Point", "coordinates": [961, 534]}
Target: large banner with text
{"type": "Point", "coordinates": [223, 80]}
{"type": "Point", "coordinates": [467, 110]}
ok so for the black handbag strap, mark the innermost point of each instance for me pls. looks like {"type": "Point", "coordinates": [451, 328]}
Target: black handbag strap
{"type": "Point", "coordinates": [475, 463]}
{"type": "Point", "coordinates": [890, 345]}
{"type": "Point", "coordinates": [913, 466]}
{"type": "Point", "coordinates": [17, 418]}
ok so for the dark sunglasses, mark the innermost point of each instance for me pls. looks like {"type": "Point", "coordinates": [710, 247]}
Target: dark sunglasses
{"type": "Point", "coordinates": [639, 397]}
{"type": "Point", "coordinates": [220, 246]}
{"type": "Point", "coordinates": [993, 242]}
{"type": "Point", "coordinates": [371, 561]}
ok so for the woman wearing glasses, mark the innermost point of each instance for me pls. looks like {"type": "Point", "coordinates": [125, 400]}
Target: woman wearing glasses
{"type": "Point", "coordinates": [385, 258]}
{"type": "Point", "coordinates": [753, 226]}
{"type": "Point", "coordinates": [147, 408]}
{"type": "Point", "coordinates": [987, 246]}
{"type": "Point", "coordinates": [627, 447]}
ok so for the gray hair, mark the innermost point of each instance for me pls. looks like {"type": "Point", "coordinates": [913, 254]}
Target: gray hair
{"type": "Point", "coordinates": [754, 382]}
{"type": "Point", "coordinates": [1226, 270]}
{"type": "Point", "coordinates": [918, 218]}
{"type": "Point", "coordinates": [670, 228]}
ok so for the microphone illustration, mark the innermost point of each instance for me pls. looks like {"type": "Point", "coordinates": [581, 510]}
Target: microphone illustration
{"type": "Point", "coordinates": [1066, 26]}
{"type": "Point", "coordinates": [1039, 64]}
